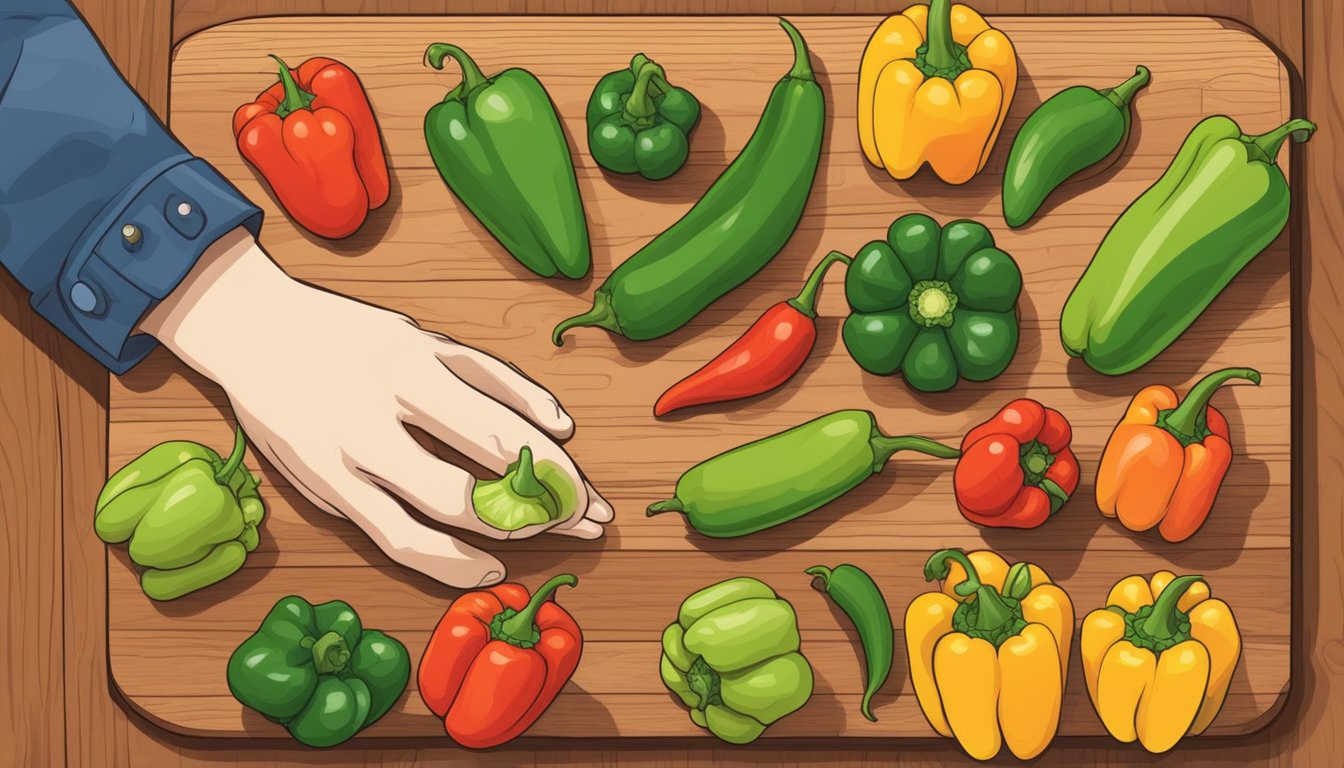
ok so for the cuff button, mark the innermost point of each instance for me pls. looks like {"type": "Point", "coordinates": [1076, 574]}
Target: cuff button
{"type": "Point", "coordinates": [131, 236]}
{"type": "Point", "coordinates": [84, 299]}
{"type": "Point", "coordinates": [183, 216]}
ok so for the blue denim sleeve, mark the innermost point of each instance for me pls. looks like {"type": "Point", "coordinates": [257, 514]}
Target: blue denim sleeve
{"type": "Point", "coordinates": [102, 211]}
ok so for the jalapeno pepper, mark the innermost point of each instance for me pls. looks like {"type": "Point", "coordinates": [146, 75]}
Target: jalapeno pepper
{"type": "Point", "coordinates": [778, 478]}
{"type": "Point", "coordinates": [858, 596]}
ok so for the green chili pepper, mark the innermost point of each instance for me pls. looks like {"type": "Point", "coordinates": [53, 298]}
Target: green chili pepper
{"type": "Point", "coordinates": [191, 516]}
{"type": "Point", "coordinates": [739, 225]}
{"type": "Point", "coordinates": [638, 122]}
{"type": "Point", "coordinates": [778, 478]}
{"type": "Point", "coordinates": [858, 596]}
{"type": "Point", "coordinates": [1074, 129]}
{"type": "Point", "coordinates": [528, 494]}
{"type": "Point", "coordinates": [498, 144]}
{"type": "Point", "coordinates": [1222, 200]}
{"type": "Point", "coordinates": [933, 303]}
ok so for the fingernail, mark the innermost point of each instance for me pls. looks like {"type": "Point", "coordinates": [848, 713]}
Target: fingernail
{"type": "Point", "coordinates": [490, 578]}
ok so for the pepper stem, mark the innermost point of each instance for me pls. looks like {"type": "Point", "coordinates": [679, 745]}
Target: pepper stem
{"type": "Point", "coordinates": [992, 612]}
{"type": "Point", "coordinates": [666, 505]}
{"type": "Point", "coordinates": [883, 448]}
{"type": "Point", "coordinates": [330, 653]}
{"type": "Point", "coordinates": [524, 481]}
{"type": "Point", "coordinates": [235, 458]}
{"type": "Point", "coordinates": [522, 626]}
{"type": "Point", "coordinates": [941, 54]}
{"type": "Point", "coordinates": [658, 85]}
{"type": "Point", "coordinates": [1164, 621]}
{"type": "Point", "coordinates": [472, 77]}
{"type": "Point", "coordinates": [601, 315]}
{"type": "Point", "coordinates": [1269, 143]}
{"type": "Point", "coordinates": [295, 97]}
{"type": "Point", "coordinates": [820, 572]}
{"type": "Point", "coordinates": [802, 62]}
{"type": "Point", "coordinates": [1184, 419]}
{"type": "Point", "coordinates": [640, 107]}
{"type": "Point", "coordinates": [806, 300]}
{"type": "Point", "coordinates": [1121, 94]}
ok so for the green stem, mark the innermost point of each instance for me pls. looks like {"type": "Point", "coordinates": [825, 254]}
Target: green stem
{"type": "Point", "coordinates": [1035, 460]}
{"type": "Point", "coordinates": [658, 85]}
{"type": "Point", "coordinates": [941, 53]}
{"type": "Point", "coordinates": [802, 63]}
{"type": "Point", "coordinates": [820, 572]}
{"type": "Point", "coordinates": [523, 625]}
{"type": "Point", "coordinates": [992, 611]}
{"type": "Point", "coordinates": [472, 77]}
{"type": "Point", "coordinates": [330, 654]}
{"type": "Point", "coordinates": [1268, 144]}
{"type": "Point", "coordinates": [883, 448]}
{"type": "Point", "coordinates": [1164, 620]}
{"type": "Point", "coordinates": [640, 107]}
{"type": "Point", "coordinates": [1121, 94]}
{"type": "Point", "coordinates": [524, 481]}
{"type": "Point", "coordinates": [666, 505]}
{"type": "Point", "coordinates": [235, 458]}
{"type": "Point", "coordinates": [600, 315]}
{"type": "Point", "coordinates": [295, 97]}
{"type": "Point", "coordinates": [1184, 419]}
{"type": "Point", "coordinates": [806, 300]}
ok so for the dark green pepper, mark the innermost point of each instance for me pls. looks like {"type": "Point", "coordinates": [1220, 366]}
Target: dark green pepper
{"type": "Point", "coordinates": [858, 596]}
{"type": "Point", "coordinates": [317, 671]}
{"type": "Point", "coordinates": [933, 303]}
{"type": "Point", "coordinates": [640, 123]}
{"type": "Point", "coordinates": [1074, 129]}
{"type": "Point", "coordinates": [529, 493]}
{"type": "Point", "coordinates": [498, 144]}
{"type": "Point", "coordinates": [191, 516]}
{"type": "Point", "coordinates": [1222, 200]}
{"type": "Point", "coordinates": [778, 478]}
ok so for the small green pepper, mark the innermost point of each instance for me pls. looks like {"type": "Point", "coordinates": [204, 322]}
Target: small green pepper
{"type": "Point", "coordinates": [191, 516]}
{"type": "Point", "coordinates": [732, 657]}
{"type": "Point", "coordinates": [933, 303]}
{"type": "Point", "coordinates": [858, 596]}
{"type": "Point", "coordinates": [528, 494]}
{"type": "Point", "coordinates": [638, 122]}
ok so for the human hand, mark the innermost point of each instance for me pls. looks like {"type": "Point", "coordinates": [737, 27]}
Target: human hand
{"type": "Point", "coordinates": [325, 385]}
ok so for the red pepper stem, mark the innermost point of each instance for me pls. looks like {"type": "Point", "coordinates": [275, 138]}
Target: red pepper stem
{"type": "Point", "coordinates": [1163, 622]}
{"type": "Point", "coordinates": [235, 458]}
{"type": "Point", "coordinates": [523, 624]}
{"type": "Point", "coordinates": [806, 300]}
{"type": "Point", "coordinates": [295, 97]}
{"type": "Point", "coordinates": [993, 612]}
{"type": "Point", "coordinates": [941, 54]}
{"type": "Point", "coordinates": [1185, 417]}
{"type": "Point", "coordinates": [472, 77]}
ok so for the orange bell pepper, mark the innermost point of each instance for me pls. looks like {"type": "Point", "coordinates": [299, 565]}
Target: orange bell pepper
{"type": "Point", "coordinates": [1166, 459]}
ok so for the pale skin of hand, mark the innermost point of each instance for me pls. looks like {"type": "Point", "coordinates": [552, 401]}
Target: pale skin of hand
{"type": "Point", "coordinates": [325, 385]}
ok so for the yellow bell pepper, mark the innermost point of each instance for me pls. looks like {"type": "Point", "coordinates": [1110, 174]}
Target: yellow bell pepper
{"type": "Point", "coordinates": [935, 83]}
{"type": "Point", "coordinates": [988, 654]}
{"type": "Point", "coordinates": [1158, 658]}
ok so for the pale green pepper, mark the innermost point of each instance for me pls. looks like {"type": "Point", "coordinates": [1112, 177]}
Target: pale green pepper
{"type": "Point", "coordinates": [529, 493]}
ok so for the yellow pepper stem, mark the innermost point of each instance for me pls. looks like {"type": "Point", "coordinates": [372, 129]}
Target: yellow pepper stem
{"type": "Point", "coordinates": [1166, 621]}
{"type": "Point", "coordinates": [991, 617]}
{"type": "Point", "coordinates": [941, 56]}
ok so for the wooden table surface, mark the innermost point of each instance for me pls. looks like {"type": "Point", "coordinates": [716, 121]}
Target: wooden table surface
{"type": "Point", "coordinates": [54, 456]}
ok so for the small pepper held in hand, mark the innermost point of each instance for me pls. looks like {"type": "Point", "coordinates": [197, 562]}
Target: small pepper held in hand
{"type": "Point", "coordinates": [1159, 658]}
{"type": "Point", "coordinates": [639, 122]}
{"type": "Point", "coordinates": [497, 659]}
{"type": "Point", "coordinates": [1016, 470]}
{"type": "Point", "coordinates": [529, 493]}
{"type": "Point", "coordinates": [767, 355]}
{"type": "Point", "coordinates": [1166, 459]}
{"type": "Point", "coordinates": [314, 138]}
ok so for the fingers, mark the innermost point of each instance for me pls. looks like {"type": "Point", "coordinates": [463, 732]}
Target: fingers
{"type": "Point", "coordinates": [506, 384]}
{"type": "Point", "coordinates": [599, 509]}
{"type": "Point", "coordinates": [582, 528]}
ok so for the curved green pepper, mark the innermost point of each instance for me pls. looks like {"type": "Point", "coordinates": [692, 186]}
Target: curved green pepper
{"type": "Point", "coordinates": [528, 494]}
{"type": "Point", "coordinates": [732, 657]}
{"type": "Point", "coordinates": [933, 303]}
{"type": "Point", "coordinates": [498, 144]}
{"type": "Point", "coordinates": [1222, 200]}
{"type": "Point", "coordinates": [640, 123]}
{"type": "Point", "coordinates": [191, 517]}
{"type": "Point", "coordinates": [317, 671]}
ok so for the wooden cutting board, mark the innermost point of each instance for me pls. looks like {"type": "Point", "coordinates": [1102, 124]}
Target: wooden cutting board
{"type": "Point", "coordinates": [424, 255]}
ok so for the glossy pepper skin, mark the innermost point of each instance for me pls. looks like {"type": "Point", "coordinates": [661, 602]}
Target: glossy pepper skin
{"type": "Point", "coordinates": [1166, 459]}
{"type": "Point", "coordinates": [933, 303]}
{"type": "Point", "coordinates": [760, 360]}
{"type": "Point", "coordinates": [1073, 130]}
{"type": "Point", "coordinates": [498, 144]}
{"type": "Point", "coordinates": [732, 656]}
{"type": "Point", "coordinates": [990, 671]}
{"type": "Point", "coordinates": [640, 123]}
{"type": "Point", "coordinates": [315, 140]}
{"type": "Point", "coordinates": [497, 659]}
{"type": "Point", "coordinates": [1016, 470]}
{"type": "Point", "coordinates": [784, 476]}
{"type": "Point", "coordinates": [191, 517]}
{"type": "Point", "coordinates": [1159, 658]}
{"type": "Point", "coordinates": [1222, 200]}
{"type": "Point", "coordinates": [859, 597]}
{"type": "Point", "coordinates": [317, 671]}
{"type": "Point", "coordinates": [529, 493]}
{"type": "Point", "coordinates": [935, 82]}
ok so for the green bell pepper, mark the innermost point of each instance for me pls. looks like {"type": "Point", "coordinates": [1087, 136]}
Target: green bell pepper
{"type": "Point", "coordinates": [317, 671]}
{"type": "Point", "coordinates": [191, 516]}
{"type": "Point", "coordinates": [638, 122]}
{"type": "Point", "coordinates": [529, 493]}
{"type": "Point", "coordinates": [1222, 200]}
{"type": "Point", "coordinates": [933, 303]}
{"type": "Point", "coordinates": [732, 657]}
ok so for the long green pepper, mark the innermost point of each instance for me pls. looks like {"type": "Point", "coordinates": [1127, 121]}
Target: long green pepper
{"type": "Point", "coordinates": [859, 597]}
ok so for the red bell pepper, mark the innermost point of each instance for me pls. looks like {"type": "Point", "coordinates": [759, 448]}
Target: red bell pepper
{"type": "Point", "coordinates": [1016, 470]}
{"type": "Point", "coordinates": [497, 660]}
{"type": "Point", "coordinates": [313, 137]}
{"type": "Point", "coordinates": [767, 355]}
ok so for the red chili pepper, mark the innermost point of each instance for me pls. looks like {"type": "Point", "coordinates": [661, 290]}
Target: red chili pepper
{"type": "Point", "coordinates": [766, 356]}
{"type": "Point", "coordinates": [1016, 470]}
{"type": "Point", "coordinates": [314, 138]}
{"type": "Point", "coordinates": [497, 660]}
